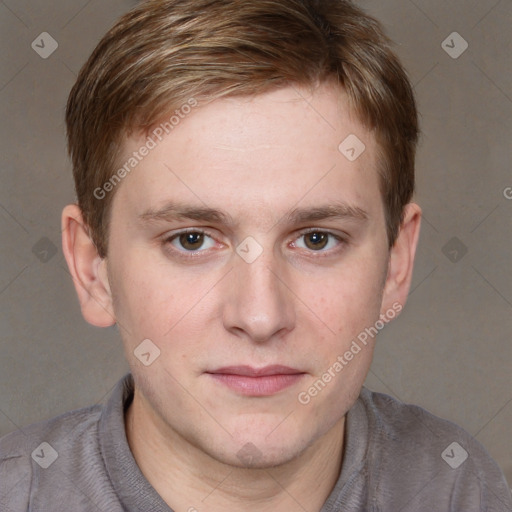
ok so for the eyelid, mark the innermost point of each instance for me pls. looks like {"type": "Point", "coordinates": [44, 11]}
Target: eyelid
{"type": "Point", "coordinates": [183, 231]}
{"type": "Point", "coordinates": [341, 238]}
{"type": "Point", "coordinates": [327, 231]}
{"type": "Point", "coordinates": [168, 238]}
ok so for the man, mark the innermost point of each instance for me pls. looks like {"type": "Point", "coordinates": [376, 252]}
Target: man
{"type": "Point", "coordinates": [244, 173]}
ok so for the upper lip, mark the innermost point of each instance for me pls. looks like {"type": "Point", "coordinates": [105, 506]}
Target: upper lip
{"type": "Point", "coordinates": [249, 371]}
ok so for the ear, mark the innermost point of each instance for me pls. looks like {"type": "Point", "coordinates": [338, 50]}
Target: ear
{"type": "Point", "coordinates": [87, 269]}
{"type": "Point", "coordinates": [401, 259]}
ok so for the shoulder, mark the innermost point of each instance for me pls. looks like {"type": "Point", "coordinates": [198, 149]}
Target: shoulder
{"type": "Point", "coordinates": [27, 453]}
{"type": "Point", "coordinates": [56, 429]}
{"type": "Point", "coordinates": [423, 459]}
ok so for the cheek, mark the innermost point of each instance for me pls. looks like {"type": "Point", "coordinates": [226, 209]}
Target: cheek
{"type": "Point", "coordinates": [348, 305]}
{"type": "Point", "coordinates": [151, 298]}
{"type": "Point", "coordinates": [347, 300]}
{"type": "Point", "coordinates": [157, 301]}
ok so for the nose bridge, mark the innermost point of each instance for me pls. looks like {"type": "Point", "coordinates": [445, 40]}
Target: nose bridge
{"type": "Point", "coordinates": [258, 281]}
{"type": "Point", "coordinates": [259, 305]}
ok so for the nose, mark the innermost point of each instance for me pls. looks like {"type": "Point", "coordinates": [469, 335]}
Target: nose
{"type": "Point", "coordinates": [259, 305]}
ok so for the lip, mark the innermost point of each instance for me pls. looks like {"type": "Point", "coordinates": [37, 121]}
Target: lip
{"type": "Point", "coordinates": [250, 381]}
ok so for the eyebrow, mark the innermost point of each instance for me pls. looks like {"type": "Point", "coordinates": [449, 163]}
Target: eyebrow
{"type": "Point", "coordinates": [173, 211]}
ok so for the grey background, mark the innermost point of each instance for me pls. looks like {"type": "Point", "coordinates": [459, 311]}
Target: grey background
{"type": "Point", "coordinates": [450, 351]}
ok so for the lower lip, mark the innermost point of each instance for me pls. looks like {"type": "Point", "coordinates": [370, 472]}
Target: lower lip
{"type": "Point", "coordinates": [263, 385]}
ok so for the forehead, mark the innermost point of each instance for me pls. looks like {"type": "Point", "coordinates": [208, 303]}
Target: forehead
{"type": "Point", "coordinates": [287, 146]}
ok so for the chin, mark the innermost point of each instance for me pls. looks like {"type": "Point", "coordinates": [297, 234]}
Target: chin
{"type": "Point", "coordinates": [252, 456]}
{"type": "Point", "coordinates": [262, 448]}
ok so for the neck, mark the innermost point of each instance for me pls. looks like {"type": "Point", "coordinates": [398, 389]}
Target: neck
{"type": "Point", "coordinates": [189, 480]}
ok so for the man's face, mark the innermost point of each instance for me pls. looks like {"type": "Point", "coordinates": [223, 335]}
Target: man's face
{"type": "Point", "coordinates": [272, 282]}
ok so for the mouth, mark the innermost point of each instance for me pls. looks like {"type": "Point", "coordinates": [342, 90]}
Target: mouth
{"type": "Point", "coordinates": [249, 381]}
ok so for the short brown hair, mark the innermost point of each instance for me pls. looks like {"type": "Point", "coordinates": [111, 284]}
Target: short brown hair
{"type": "Point", "coordinates": [165, 52]}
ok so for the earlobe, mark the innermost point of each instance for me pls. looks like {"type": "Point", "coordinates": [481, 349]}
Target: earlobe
{"type": "Point", "coordinates": [401, 260]}
{"type": "Point", "coordinates": [87, 269]}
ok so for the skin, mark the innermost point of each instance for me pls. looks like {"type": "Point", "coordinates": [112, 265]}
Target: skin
{"type": "Point", "coordinates": [298, 305]}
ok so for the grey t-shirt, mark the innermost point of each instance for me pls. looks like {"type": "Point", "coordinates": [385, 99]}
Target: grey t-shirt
{"type": "Point", "coordinates": [397, 458]}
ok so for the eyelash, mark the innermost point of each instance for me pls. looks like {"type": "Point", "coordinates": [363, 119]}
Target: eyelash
{"type": "Point", "coordinates": [342, 241]}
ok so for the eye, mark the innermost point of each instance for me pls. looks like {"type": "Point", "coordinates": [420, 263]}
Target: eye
{"type": "Point", "coordinates": [318, 241]}
{"type": "Point", "coordinates": [191, 241]}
